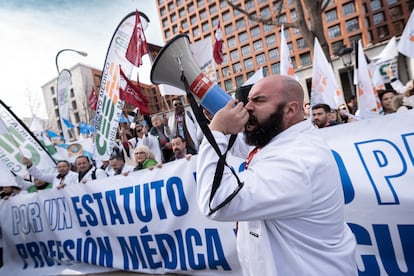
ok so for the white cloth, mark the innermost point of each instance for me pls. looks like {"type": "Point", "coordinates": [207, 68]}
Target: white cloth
{"type": "Point", "coordinates": [126, 168]}
{"type": "Point", "coordinates": [290, 210]}
{"type": "Point", "coordinates": [69, 179]}
{"type": "Point", "coordinates": [99, 174]}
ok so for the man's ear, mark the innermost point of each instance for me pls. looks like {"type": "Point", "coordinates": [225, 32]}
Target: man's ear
{"type": "Point", "coordinates": [292, 108]}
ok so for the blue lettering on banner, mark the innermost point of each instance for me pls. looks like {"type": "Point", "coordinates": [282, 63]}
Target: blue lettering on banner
{"type": "Point", "coordinates": [386, 249]}
{"type": "Point", "coordinates": [26, 219]}
{"type": "Point", "coordinates": [114, 206]}
{"type": "Point", "coordinates": [347, 188]}
{"type": "Point", "coordinates": [375, 156]}
{"type": "Point", "coordinates": [58, 213]}
{"type": "Point", "coordinates": [144, 251]}
{"type": "Point", "coordinates": [96, 251]}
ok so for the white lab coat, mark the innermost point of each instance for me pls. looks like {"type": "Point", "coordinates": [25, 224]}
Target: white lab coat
{"type": "Point", "coordinates": [290, 210]}
{"type": "Point", "coordinates": [69, 179]}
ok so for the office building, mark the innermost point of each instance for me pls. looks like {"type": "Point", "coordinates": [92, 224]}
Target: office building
{"type": "Point", "coordinates": [249, 45]}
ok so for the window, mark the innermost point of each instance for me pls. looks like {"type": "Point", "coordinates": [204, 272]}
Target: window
{"type": "Point", "coordinates": [268, 28]}
{"type": "Point", "coordinates": [239, 81]}
{"type": "Point", "coordinates": [293, 14]}
{"type": "Point", "coordinates": [258, 45]}
{"type": "Point", "coordinates": [243, 37]}
{"type": "Point", "coordinates": [334, 31]}
{"type": "Point", "coordinates": [196, 31]}
{"type": "Point", "coordinates": [396, 12]}
{"type": "Point", "coordinates": [348, 8]}
{"type": "Point", "coordinates": [265, 12]}
{"type": "Point", "coordinates": [231, 42]}
{"type": "Point", "coordinates": [245, 50]}
{"type": "Point", "coordinates": [171, 6]}
{"type": "Point", "coordinates": [375, 5]}
{"type": "Point", "coordinates": [399, 27]}
{"type": "Point", "coordinates": [260, 59]}
{"type": "Point", "coordinates": [200, 3]}
{"type": "Point", "coordinates": [163, 12]}
{"type": "Point", "coordinates": [182, 13]}
{"type": "Point", "coordinates": [276, 68]}
{"type": "Point", "coordinates": [52, 90]}
{"type": "Point", "coordinates": [331, 15]}
{"type": "Point", "coordinates": [215, 21]}
{"type": "Point", "coordinates": [352, 25]}
{"type": "Point", "coordinates": [226, 16]}
{"type": "Point", "coordinates": [173, 18]}
{"type": "Point", "coordinates": [228, 84]}
{"type": "Point", "coordinates": [249, 4]}
{"type": "Point", "coordinates": [378, 18]}
{"type": "Point", "coordinates": [305, 59]}
{"type": "Point", "coordinates": [234, 54]}
{"type": "Point", "coordinates": [265, 71]}
{"type": "Point", "coordinates": [273, 54]}
{"type": "Point", "coordinates": [255, 32]}
{"type": "Point", "coordinates": [300, 43]}
{"type": "Point", "coordinates": [296, 31]}
{"type": "Point", "coordinates": [337, 45]}
{"type": "Point", "coordinates": [54, 101]}
{"type": "Point", "coordinates": [206, 27]}
{"type": "Point", "coordinates": [165, 23]}
{"type": "Point", "coordinates": [203, 14]}
{"type": "Point", "coordinates": [190, 8]}
{"type": "Point", "coordinates": [286, 33]}
{"type": "Point", "coordinates": [290, 47]}
{"type": "Point", "coordinates": [223, 4]}
{"type": "Point", "coordinates": [184, 24]}
{"type": "Point", "coordinates": [193, 19]}
{"type": "Point", "coordinates": [354, 39]}
{"type": "Point", "coordinates": [74, 105]}
{"type": "Point", "coordinates": [270, 40]}
{"type": "Point", "coordinates": [237, 67]}
{"type": "Point", "coordinates": [248, 63]}
{"type": "Point", "coordinates": [240, 24]}
{"type": "Point", "coordinates": [225, 71]}
{"type": "Point", "coordinates": [229, 29]}
{"type": "Point", "coordinates": [282, 18]}
{"type": "Point", "coordinates": [213, 9]}
{"type": "Point", "coordinates": [383, 32]}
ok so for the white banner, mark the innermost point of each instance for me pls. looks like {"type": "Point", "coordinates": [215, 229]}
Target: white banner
{"type": "Point", "coordinates": [150, 222]}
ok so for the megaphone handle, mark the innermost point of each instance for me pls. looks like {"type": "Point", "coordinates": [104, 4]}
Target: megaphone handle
{"type": "Point", "coordinates": [218, 175]}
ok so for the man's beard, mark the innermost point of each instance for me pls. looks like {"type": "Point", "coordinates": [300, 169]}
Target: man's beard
{"type": "Point", "coordinates": [264, 132]}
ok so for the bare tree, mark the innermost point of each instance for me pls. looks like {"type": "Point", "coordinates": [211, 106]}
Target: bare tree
{"type": "Point", "coordinates": [309, 25]}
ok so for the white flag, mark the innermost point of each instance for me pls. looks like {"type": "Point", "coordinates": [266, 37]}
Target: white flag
{"type": "Point", "coordinates": [367, 102]}
{"type": "Point", "coordinates": [286, 67]}
{"type": "Point", "coordinates": [325, 88]}
{"type": "Point", "coordinates": [406, 44]}
{"type": "Point", "coordinates": [258, 75]}
{"type": "Point", "coordinates": [388, 58]}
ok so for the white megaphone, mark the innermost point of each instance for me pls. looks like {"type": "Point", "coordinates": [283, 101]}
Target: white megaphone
{"type": "Point", "coordinates": [175, 59]}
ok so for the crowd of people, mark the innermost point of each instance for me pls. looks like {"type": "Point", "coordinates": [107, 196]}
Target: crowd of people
{"type": "Point", "coordinates": [143, 144]}
{"type": "Point", "coordinates": [296, 219]}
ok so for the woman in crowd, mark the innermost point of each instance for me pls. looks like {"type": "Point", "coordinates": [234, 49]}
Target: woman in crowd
{"type": "Point", "coordinates": [144, 158]}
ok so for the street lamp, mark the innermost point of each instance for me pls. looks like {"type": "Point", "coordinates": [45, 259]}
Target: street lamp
{"type": "Point", "coordinates": [63, 50]}
{"type": "Point", "coordinates": [345, 54]}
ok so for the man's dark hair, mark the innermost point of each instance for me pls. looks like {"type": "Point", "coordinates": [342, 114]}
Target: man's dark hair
{"type": "Point", "coordinates": [381, 93]}
{"type": "Point", "coordinates": [325, 107]}
{"type": "Point", "coordinates": [179, 136]}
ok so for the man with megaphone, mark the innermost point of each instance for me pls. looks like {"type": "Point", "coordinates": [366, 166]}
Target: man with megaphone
{"type": "Point", "coordinates": [288, 200]}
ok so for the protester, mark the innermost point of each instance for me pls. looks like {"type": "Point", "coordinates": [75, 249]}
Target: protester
{"type": "Point", "coordinates": [183, 123]}
{"type": "Point", "coordinates": [9, 191]}
{"type": "Point", "coordinates": [87, 171]}
{"type": "Point", "coordinates": [162, 147]}
{"type": "Point", "coordinates": [32, 186]}
{"type": "Point", "coordinates": [64, 177]}
{"type": "Point", "coordinates": [320, 116]}
{"type": "Point", "coordinates": [117, 163]}
{"type": "Point", "coordinates": [144, 158]}
{"type": "Point", "coordinates": [385, 97]}
{"type": "Point", "coordinates": [306, 110]}
{"type": "Point", "coordinates": [179, 146]}
{"type": "Point", "coordinates": [291, 207]}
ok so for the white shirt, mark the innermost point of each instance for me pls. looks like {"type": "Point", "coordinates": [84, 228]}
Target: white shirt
{"type": "Point", "coordinates": [99, 173]}
{"type": "Point", "coordinates": [69, 179]}
{"type": "Point", "coordinates": [290, 210]}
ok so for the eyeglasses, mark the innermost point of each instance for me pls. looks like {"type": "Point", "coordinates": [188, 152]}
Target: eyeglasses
{"type": "Point", "coordinates": [140, 152]}
{"type": "Point", "coordinates": [178, 104]}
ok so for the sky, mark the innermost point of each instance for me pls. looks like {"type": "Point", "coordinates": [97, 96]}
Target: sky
{"type": "Point", "coordinates": [33, 31]}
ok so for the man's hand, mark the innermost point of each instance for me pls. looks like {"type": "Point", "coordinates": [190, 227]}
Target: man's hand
{"type": "Point", "coordinates": [27, 162]}
{"type": "Point", "coordinates": [231, 119]}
